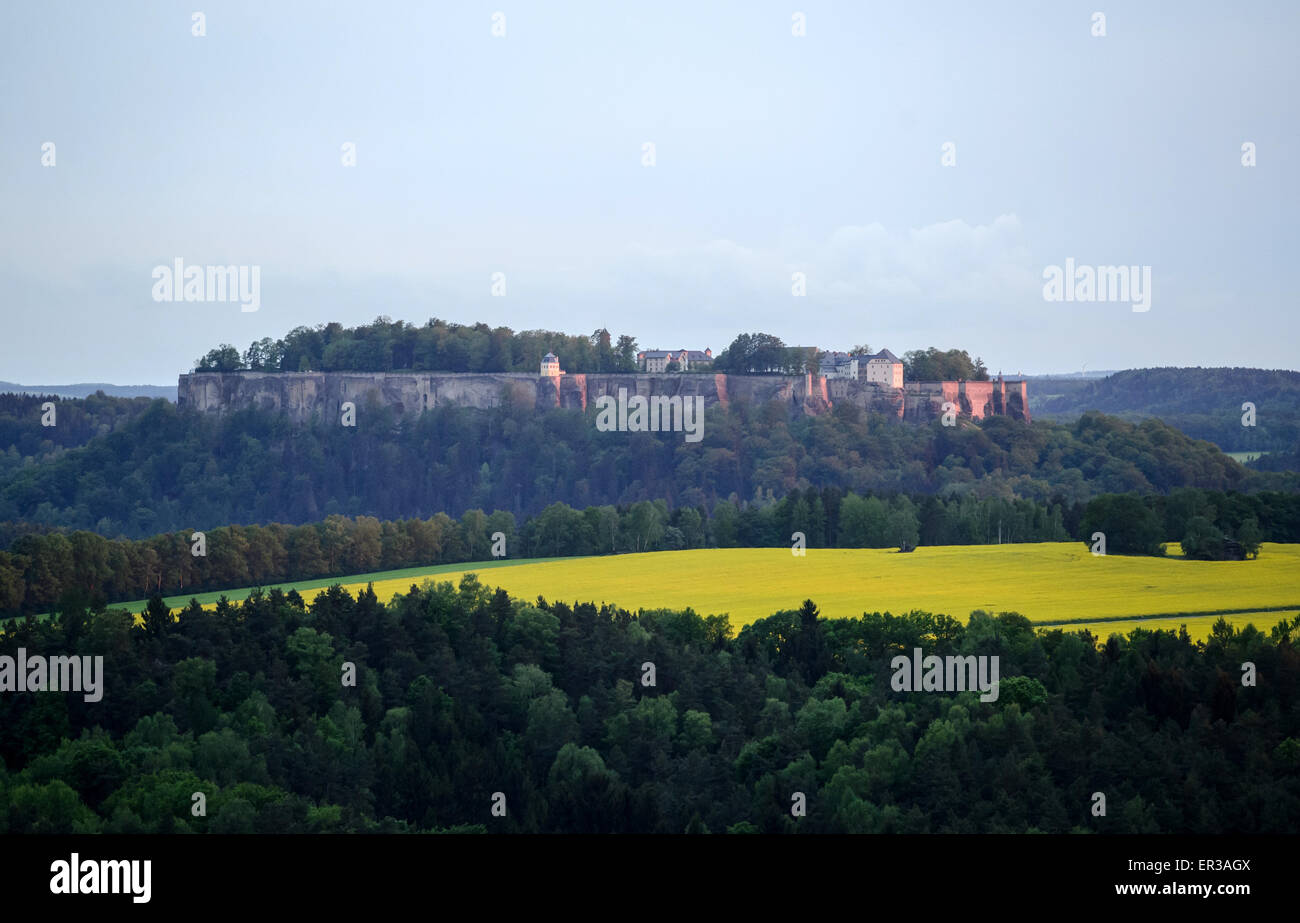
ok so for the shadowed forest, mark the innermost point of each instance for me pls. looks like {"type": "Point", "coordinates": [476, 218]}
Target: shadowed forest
{"type": "Point", "coordinates": [461, 693]}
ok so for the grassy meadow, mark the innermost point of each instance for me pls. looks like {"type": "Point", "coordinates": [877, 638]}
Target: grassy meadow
{"type": "Point", "coordinates": [1050, 583]}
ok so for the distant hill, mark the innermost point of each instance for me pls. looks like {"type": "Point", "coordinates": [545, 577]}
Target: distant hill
{"type": "Point", "coordinates": [1072, 376]}
{"type": "Point", "coordinates": [1044, 389]}
{"type": "Point", "coordinates": [85, 389]}
{"type": "Point", "coordinates": [1205, 403]}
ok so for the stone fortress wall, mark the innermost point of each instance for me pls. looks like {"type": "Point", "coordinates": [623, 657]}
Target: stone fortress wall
{"type": "Point", "coordinates": [302, 395]}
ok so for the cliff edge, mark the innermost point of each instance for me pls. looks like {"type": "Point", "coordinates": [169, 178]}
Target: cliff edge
{"type": "Point", "coordinates": [304, 395]}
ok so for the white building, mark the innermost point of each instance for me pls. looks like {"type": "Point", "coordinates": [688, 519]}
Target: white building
{"type": "Point", "coordinates": [838, 365]}
{"type": "Point", "coordinates": [883, 367]}
{"type": "Point", "coordinates": [551, 365]}
{"type": "Point", "coordinates": [656, 360]}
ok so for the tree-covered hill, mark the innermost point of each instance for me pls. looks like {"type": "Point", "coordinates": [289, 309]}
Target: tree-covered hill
{"type": "Point", "coordinates": [26, 439]}
{"type": "Point", "coordinates": [1205, 403]}
{"type": "Point", "coordinates": [168, 469]}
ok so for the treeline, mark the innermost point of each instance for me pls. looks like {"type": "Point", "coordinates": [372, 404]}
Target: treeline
{"type": "Point", "coordinates": [765, 354]}
{"type": "Point", "coordinates": [943, 365]}
{"type": "Point", "coordinates": [40, 570]}
{"type": "Point", "coordinates": [1206, 523]}
{"type": "Point", "coordinates": [167, 469]}
{"type": "Point", "coordinates": [461, 693]}
{"type": "Point", "coordinates": [1287, 460]}
{"type": "Point", "coordinates": [387, 346]}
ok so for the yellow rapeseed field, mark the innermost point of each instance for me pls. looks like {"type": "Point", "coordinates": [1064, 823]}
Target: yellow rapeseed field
{"type": "Point", "coordinates": [1044, 582]}
{"type": "Point", "coordinates": [1198, 626]}
{"type": "Point", "coordinates": [1050, 582]}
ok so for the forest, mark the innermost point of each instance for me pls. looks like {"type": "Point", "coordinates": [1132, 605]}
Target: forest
{"type": "Point", "coordinates": [44, 571]}
{"type": "Point", "coordinates": [386, 345]}
{"type": "Point", "coordinates": [463, 699]}
{"type": "Point", "coordinates": [138, 468]}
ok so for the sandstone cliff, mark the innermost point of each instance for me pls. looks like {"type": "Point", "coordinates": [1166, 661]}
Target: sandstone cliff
{"type": "Point", "coordinates": [302, 395]}
{"type": "Point", "coordinates": [923, 400]}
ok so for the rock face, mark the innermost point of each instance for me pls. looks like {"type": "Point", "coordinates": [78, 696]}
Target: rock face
{"type": "Point", "coordinates": [923, 400]}
{"type": "Point", "coordinates": [302, 395]}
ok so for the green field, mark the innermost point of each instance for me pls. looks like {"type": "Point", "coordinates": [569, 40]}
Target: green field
{"type": "Point", "coordinates": [1244, 457]}
{"type": "Point", "coordinates": [1048, 583]}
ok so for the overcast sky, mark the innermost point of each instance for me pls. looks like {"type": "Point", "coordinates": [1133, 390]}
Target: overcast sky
{"type": "Point", "coordinates": [773, 154]}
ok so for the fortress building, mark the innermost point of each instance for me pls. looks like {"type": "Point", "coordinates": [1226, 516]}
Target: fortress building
{"type": "Point", "coordinates": [656, 360]}
{"type": "Point", "coordinates": [884, 367]}
{"type": "Point", "coordinates": [838, 365]}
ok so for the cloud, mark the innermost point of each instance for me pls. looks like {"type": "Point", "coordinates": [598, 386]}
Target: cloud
{"type": "Point", "coordinates": [946, 262]}
{"type": "Point", "coordinates": [951, 261]}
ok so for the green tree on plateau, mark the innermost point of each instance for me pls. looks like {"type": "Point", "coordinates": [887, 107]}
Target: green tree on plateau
{"type": "Point", "coordinates": [225, 358]}
{"type": "Point", "coordinates": [626, 352]}
{"type": "Point", "coordinates": [933, 364]}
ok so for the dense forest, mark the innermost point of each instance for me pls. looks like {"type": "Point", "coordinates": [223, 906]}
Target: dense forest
{"type": "Point", "coordinates": [1204, 403]}
{"type": "Point", "coordinates": [43, 571]}
{"type": "Point", "coordinates": [136, 473]}
{"type": "Point", "coordinates": [464, 698]}
{"type": "Point", "coordinates": [25, 441]}
{"type": "Point", "coordinates": [1288, 460]}
{"type": "Point", "coordinates": [386, 345]}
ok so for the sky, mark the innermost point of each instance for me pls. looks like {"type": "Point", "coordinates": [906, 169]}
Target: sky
{"type": "Point", "coordinates": [774, 154]}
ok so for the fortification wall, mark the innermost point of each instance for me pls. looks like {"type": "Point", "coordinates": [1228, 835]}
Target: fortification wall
{"type": "Point", "coordinates": [302, 395]}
